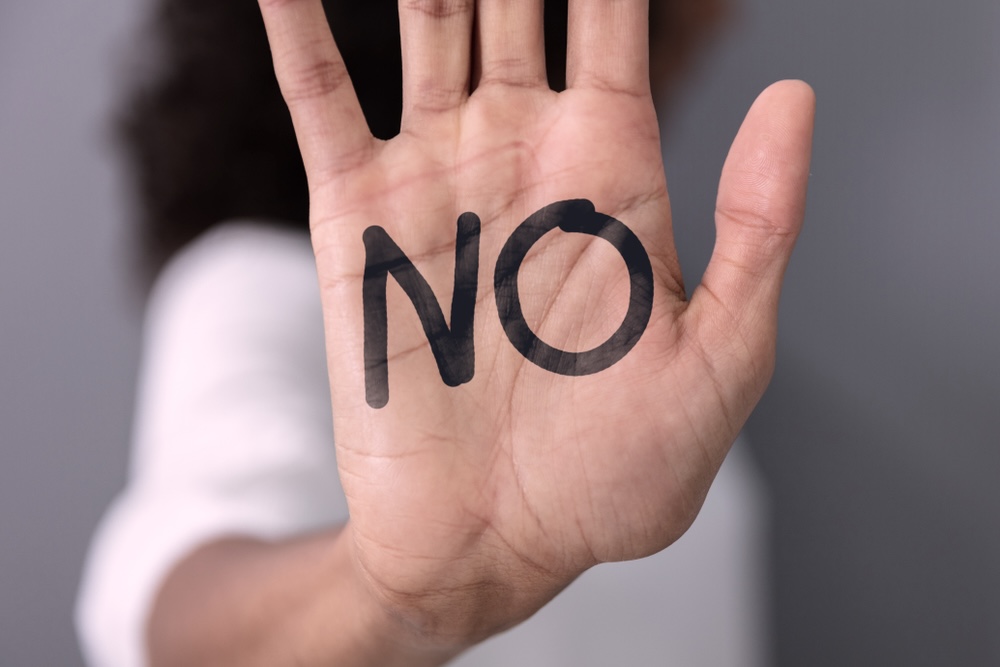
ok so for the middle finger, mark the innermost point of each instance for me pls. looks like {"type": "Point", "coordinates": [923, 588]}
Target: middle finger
{"type": "Point", "coordinates": [436, 39]}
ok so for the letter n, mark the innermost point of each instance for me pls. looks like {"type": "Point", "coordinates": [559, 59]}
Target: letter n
{"type": "Point", "coordinates": [454, 348]}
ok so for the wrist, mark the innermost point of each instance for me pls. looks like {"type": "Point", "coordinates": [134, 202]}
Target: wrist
{"type": "Point", "coordinates": [441, 609]}
{"type": "Point", "coordinates": [387, 636]}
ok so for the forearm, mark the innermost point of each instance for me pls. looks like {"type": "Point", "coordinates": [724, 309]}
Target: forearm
{"type": "Point", "coordinates": [300, 602]}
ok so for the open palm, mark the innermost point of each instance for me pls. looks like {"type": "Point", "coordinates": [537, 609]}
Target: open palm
{"type": "Point", "coordinates": [472, 505]}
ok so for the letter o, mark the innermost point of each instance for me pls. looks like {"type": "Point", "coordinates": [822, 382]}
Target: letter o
{"type": "Point", "coordinates": [581, 217]}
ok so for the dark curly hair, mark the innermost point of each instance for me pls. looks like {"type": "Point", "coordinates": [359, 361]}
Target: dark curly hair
{"type": "Point", "coordinates": [209, 138]}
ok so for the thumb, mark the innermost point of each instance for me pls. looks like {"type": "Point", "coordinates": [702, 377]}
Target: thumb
{"type": "Point", "coordinates": [758, 216]}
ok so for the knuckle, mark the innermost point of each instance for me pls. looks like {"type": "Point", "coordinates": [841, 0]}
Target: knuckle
{"type": "Point", "coordinates": [762, 224]}
{"type": "Point", "coordinates": [320, 78]}
{"type": "Point", "coordinates": [611, 84]}
{"type": "Point", "coordinates": [752, 212]}
{"type": "Point", "coordinates": [517, 71]}
{"type": "Point", "coordinates": [438, 9]}
{"type": "Point", "coordinates": [432, 97]}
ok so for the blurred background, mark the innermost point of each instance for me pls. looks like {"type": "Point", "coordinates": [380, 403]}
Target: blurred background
{"type": "Point", "coordinates": [879, 437]}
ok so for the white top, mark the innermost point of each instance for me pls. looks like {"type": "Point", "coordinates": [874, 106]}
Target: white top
{"type": "Point", "coordinates": [233, 436]}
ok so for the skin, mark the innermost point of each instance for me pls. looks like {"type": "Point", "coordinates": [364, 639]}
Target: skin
{"type": "Point", "coordinates": [472, 507]}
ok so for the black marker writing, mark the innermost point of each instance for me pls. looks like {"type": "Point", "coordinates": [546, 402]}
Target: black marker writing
{"type": "Point", "coordinates": [576, 216]}
{"type": "Point", "coordinates": [454, 349]}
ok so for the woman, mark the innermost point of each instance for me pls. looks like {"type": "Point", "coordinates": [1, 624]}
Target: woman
{"type": "Point", "coordinates": [228, 538]}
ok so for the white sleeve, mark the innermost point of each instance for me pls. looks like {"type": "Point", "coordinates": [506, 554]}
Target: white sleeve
{"type": "Point", "coordinates": [233, 431]}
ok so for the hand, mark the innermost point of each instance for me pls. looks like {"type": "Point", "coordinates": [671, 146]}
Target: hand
{"type": "Point", "coordinates": [472, 506]}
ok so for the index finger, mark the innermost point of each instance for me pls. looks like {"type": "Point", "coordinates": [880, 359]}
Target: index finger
{"type": "Point", "coordinates": [608, 45]}
{"type": "Point", "coordinates": [332, 132]}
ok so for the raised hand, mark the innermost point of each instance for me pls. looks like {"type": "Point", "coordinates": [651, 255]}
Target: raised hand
{"type": "Point", "coordinates": [473, 505]}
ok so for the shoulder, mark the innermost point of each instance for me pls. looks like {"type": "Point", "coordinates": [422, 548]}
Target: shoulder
{"type": "Point", "coordinates": [248, 281]}
{"type": "Point", "coordinates": [239, 257]}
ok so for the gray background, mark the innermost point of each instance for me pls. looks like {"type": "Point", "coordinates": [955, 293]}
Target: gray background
{"type": "Point", "coordinates": [879, 436]}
